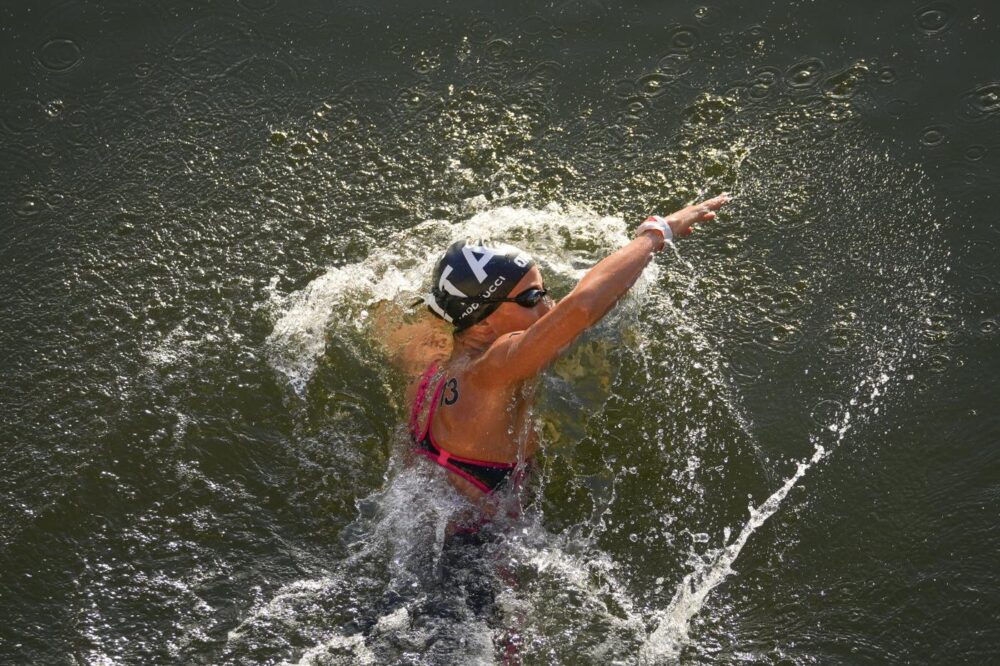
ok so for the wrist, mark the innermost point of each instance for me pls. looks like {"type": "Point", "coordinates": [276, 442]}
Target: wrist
{"type": "Point", "coordinates": [658, 226]}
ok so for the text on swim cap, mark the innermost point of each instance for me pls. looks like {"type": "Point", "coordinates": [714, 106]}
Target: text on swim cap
{"type": "Point", "coordinates": [445, 284]}
{"type": "Point", "coordinates": [477, 264]}
{"type": "Point", "coordinates": [486, 294]}
{"type": "Point", "coordinates": [433, 305]}
{"type": "Point", "coordinates": [493, 287]}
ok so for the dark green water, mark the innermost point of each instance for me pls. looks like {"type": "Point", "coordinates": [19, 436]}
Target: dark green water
{"type": "Point", "coordinates": [782, 449]}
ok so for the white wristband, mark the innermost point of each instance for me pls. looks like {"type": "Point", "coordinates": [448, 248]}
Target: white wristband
{"type": "Point", "coordinates": [656, 223]}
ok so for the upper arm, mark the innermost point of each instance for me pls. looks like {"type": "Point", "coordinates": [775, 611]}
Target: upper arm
{"type": "Point", "coordinates": [514, 358]}
{"type": "Point", "coordinates": [521, 355]}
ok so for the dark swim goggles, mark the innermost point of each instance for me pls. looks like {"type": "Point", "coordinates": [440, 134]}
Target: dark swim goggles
{"type": "Point", "coordinates": [528, 298]}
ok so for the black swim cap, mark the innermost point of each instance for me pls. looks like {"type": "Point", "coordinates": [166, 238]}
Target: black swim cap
{"type": "Point", "coordinates": [470, 272]}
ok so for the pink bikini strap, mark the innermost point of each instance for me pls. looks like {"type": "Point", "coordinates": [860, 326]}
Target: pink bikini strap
{"type": "Point", "coordinates": [421, 398]}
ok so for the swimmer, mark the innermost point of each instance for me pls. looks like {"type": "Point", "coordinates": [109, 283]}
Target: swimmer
{"type": "Point", "coordinates": [470, 406]}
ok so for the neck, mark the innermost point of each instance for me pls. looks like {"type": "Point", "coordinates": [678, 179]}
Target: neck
{"type": "Point", "coordinates": [472, 343]}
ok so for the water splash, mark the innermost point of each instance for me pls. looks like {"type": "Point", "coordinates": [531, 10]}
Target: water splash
{"type": "Point", "coordinates": [670, 635]}
{"type": "Point", "coordinates": [565, 241]}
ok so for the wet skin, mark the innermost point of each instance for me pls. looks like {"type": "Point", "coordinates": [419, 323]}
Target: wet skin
{"type": "Point", "coordinates": [484, 410]}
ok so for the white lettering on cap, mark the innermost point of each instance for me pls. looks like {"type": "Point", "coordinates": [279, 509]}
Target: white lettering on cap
{"type": "Point", "coordinates": [477, 264]}
{"type": "Point", "coordinates": [445, 284]}
{"type": "Point", "coordinates": [432, 304]}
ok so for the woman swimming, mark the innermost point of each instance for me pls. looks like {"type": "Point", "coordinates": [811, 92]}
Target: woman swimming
{"type": "Point", "coordinates": [470, 408]}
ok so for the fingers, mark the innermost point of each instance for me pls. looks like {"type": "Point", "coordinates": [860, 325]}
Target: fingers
{"type": "Point", "coordinates": [715, 203]}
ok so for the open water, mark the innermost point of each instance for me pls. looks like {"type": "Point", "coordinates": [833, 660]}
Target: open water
{"type": "Point", "coordinates": [782, 448]}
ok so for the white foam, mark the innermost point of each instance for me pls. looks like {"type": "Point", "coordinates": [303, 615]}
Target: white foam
{"type": "Point", "coordinates": [565, 241]}
{"type": "Point", "coordinates": [332, 651]}
{"type": "Point", "coordinates": [671, 632]}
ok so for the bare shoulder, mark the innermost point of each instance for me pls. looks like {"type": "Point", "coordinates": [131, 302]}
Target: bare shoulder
{"type": "Point", "coordinates": [487, 369]}
{"type": "Point", "coordinates": [411, 344]}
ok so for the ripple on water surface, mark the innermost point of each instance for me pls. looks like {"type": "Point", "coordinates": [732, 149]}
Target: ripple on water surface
{"type": "Point", "coordinates": [487, 149]}
{"type": "Point", "coordinates": [805, 74]}
{"type": "Point", "coordinates": [935, 18]}
{"type": "Point", "coordinates": [982, 103]}
{"type": "Point", "coordinates": [59, 55]}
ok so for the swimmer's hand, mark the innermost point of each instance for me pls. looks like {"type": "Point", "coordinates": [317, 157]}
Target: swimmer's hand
{"type": "Point", "coordinates": [682, 221]}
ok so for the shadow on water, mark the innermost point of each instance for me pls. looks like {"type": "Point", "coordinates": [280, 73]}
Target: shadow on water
{"type": "Point", "coordinates": [205, 464]}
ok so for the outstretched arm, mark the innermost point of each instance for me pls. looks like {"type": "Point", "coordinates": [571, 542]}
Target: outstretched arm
{"type": "Point", "coordinates": [519, 356]}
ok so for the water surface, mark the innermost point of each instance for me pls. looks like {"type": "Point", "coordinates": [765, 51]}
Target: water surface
{"type": "Point", "coordinates": [780, 449]}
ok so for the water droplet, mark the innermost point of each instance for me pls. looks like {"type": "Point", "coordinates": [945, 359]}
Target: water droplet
{"type": "Point", "coordinates": [674, 63]}
{"type": "Point", "coordinates": [143, 69]}
{"type": "Point", "coordinates": [839, 337]}
{"type": "Point", "coordinates": [935, 17]}
{"type": "Point", "coordinates": [783, 338]}
{"type": "Point", "coordinates": [759, 91]}
{"type": "Point", "coordinates": [29, 205]}
{"type": "Point", "coordinates": [787, 302]}
{"type": "Point", "coordinates": [988, 327]}
{"type": "Point", "coordinates": [844, 84]}
{"type": "Point", "coordinates": [933, 135]}
{"type": "Point", "coordinates": [707, 15]}
{"type": "Point", "coordinates": [635, 108]}
{"type": "Point", "coordinates": [975, 153]}
{"type": "Point", "coordinates": [887, 75]}
{"type": "Point", "coordinates": [938, 363]}
{"type": "Point", "coordinates": [982, 102]}
{"type": "Point", "coordinates": [683, 39]}
{"type": "Point", "coordinates": [426, 63]}
{"type": "Point", "coordinates": [59, 55]}
{"type": "Point", "coordinates": [653, 85]}
{"type": "Point", "coordinates": [498, 48]}
{"type": "Point", "coordinates": [767, 76]}
{"type": "Point", "coordinates": [410, 98]}
{"type": "Point", "coordinates": [805, 74]}
{"type": "Point", "coordinates": [53, 108]}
